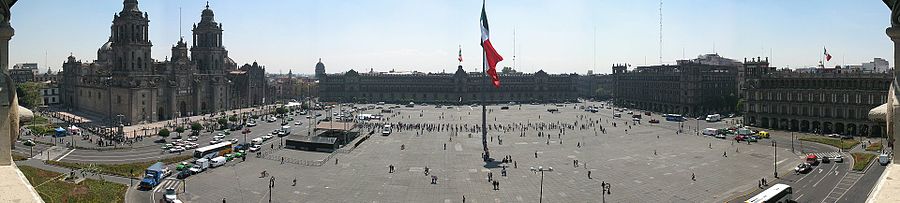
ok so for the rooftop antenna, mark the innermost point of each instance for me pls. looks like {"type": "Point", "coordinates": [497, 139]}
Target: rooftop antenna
{"type": "Point", "coordinates": [594, 66]}
{"type": "Point", "coordinates": [179, 22]}
{"type": "Point", "coordinates": [660, 31]}
{"type": "Point", "coordinates": [514, 48]}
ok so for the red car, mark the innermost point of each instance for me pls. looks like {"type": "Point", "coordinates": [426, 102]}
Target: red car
{"type": "Point", "coordinates": [739, 138]}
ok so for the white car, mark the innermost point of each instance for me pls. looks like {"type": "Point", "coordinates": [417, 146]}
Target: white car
{"type": "Point", "coordinates": [254, 148]}
{"type": "Point", "coordinates": [298, 123]}
{"type": "Point", "coordinates": [176, 149]}
{"type": "Point", "coordinates": [170, 195]}
{"type": "Point", "coordinates": [219, 136]}
{"type": "Point", "coordinates": [251, 124]}
{"type": "Point", "coordinates": [233, 140]}
{"type": "Point", "coordinates": [192, 138]}
{"type": "Point", "coordinates": [215, 141]}
{"type": "Point", "coordinates": [266, 137]}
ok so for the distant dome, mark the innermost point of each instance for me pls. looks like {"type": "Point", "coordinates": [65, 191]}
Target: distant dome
{"type": "Point", "coordinates": [320, 65]}
{"type": "Point", "coordinates": [230, 63]}
{"type": "Point", "coordinates": [106, 47]}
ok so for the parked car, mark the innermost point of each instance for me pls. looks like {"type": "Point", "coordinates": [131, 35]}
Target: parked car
{"type": "Point", "coordinates": [233, 140]}
{"type": "Point", "coordinates": [298, 123]}
{"type": "Point", "coordinates": [251, 124]}
{"type": "Point", "coordinates": [192, 138]}
{"type": "Point", "coordinates": [824, 159]}
{"type": "Point", "coordinates": [176, 149]}
{"type": "Point", "coordinates": [654, 121]}
{"type": "Point", "coordinates": [739, 138]}
{"type": "Point", "coordinates": [183, 174]}
{"type": "Point", "coordinates": [254, 148]}
{"type": "Point", "coordinates": [720, 136]}
{"type": "Point", "coordinates": [167, 146]}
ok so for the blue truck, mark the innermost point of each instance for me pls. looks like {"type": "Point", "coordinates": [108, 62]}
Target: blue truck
{"type": "Point", "coordinates": [153, 175]}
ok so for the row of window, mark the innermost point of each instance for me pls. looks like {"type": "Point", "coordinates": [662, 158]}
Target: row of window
{"type": "Point", "coordinates": [845, 98]}
{"type": "Point", "coordinates": [799, 110]}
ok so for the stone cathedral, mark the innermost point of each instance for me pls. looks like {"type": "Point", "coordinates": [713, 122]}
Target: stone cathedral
{"type": "Point", "coordinates": [125, 80]}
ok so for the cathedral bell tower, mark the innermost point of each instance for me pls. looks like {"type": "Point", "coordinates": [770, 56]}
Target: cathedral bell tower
{"type": "Point", "coordinates": [207, 51]}
{"type": "Point", "coordinates": [130, 41]}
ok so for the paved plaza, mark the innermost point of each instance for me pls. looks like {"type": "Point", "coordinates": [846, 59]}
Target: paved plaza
{"type": "Point", "coordinates": [649, 163]}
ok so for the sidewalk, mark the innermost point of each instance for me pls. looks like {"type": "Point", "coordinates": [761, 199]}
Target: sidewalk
{"type": "Point", "coordinates": [41, 165]}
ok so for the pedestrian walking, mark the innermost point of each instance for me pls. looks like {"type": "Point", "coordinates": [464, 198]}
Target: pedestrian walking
{"type": "Point", "coordinates": [693, 177]}
{"type": "Point", "coordinates": [589, 175]}
{"type": "Point", "coordinates": [725, 154]}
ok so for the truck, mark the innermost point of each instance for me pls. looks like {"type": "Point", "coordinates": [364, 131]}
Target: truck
{"type": "Point", "coordinates": [200, 165]}
{"type": "Point", "coordinates": [153, 175]}
{"type": "Point", "coordinates": [285, 130]}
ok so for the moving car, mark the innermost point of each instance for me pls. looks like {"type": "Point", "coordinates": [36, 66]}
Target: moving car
{"type": "Point", "coordinates": [251, 124]}
{"type": "Point", "coordinates": [218, 161]}
{"type": "Point", "coordinates": [720, 136]}
{"type": "Point", "coordinates": [884, 159]}
{"type": "Point", "coordinates": [170, 195]}
{"type": "Point", "coordinates": [654, 121]}
{"type": "Point", "coordinates": [803, 168]}
{"type": "Point", "coordinates": [837, 158]}
{"type": "Point", "coordinates": [298, 123]}
{"type": "Point", "coordinates": [812, 159]}
{"type": "Point", "coordinates": [254, 148]}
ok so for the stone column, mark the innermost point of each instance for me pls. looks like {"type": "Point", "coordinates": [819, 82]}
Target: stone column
{"type": "Point", "coordinates": [893, 104]}
{"type": "Point", "coordinates": [8, 105]}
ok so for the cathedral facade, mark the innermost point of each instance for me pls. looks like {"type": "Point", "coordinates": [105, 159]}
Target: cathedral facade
{"type": "Point", "coordinates": [125, 80]}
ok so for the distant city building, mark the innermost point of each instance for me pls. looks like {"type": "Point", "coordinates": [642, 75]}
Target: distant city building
{"type": "Point", "coordinates": [452, 88]}
{"type": "Point", "coordinates": [124, 80]}
{"type": "Point", "coordinates": [818, 101]}
{"type": "Point", "coordinates": [50, 93]}
{"type": "Point", "coordinates": [692, 87]}
{"type": "Point", "coordinates": [599, 87]}
{"type": "Point", "coordinates": [23, 72]}
{"type": "Point", "coordinates": [878, 65]}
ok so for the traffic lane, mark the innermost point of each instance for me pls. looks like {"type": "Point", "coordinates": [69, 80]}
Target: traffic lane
{"type": "Point", "coordinates": [860, 190]}
{"type": "Point", "coordinates": [27, 150]}
{"type": "Point", "coordinates": [816, 184]}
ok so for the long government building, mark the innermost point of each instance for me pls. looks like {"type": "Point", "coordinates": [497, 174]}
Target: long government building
{"type": "Point", "coordinates": [460, 87]}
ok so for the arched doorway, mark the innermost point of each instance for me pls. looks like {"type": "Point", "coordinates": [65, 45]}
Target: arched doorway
{"type": "Point", "coordinates": [795, 125]}
{"type": "Point", "coordinates": [783, 123]}
{"type": "Point", "coordinates": [752, 120]}
{"type": "Point", "coordinates": [804, 126]}
{"type": "Point", "coordinates": [864, 130]}
{"type": "Point", "coordinates": [826, 127]}
{"type": "Point", "coordinates": [839, 128]}
{"type": "Point", "coordinates": [851, 129]}
{"type": "Point", "coordinates": [765, 122]}
{"type": "Point", "coordinates": [182, 107]}
{"type": "Point", "coordinates": [159, 114]}
{"type": "Point", "coordinates": [815, 127]}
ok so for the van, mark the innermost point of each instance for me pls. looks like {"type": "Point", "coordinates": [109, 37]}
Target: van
{"type": "Point", "coordinates": [218, 161]}
{"type": "Point", "coordinates": [200, 165]}
{"type": "Point", "coordinates": [763, 134]}
{"type": "Point", "coordinates": [386, 130]}
{"type": "Point", "coordinates": [713, 118]}
{"type": "Point", "coordinates": [710, 131]}
{"type": "Point", "coordinates": [256, 141]}
{"type": "Point", "coordinates": [884, 159]}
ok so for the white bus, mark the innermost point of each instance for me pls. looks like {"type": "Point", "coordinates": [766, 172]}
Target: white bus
{"type": "Point", "coordinates": [713, 118]}
{"type": "Point", "coordinates": [778, 193]}
{"type": "Point", "coordinates": [212, 151]}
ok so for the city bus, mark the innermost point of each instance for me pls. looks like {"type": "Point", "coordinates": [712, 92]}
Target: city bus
{"type": "Point", "coordinates": [213, 151]}
{"type": "Point", "coordinates": [777, 193]}
{"type": "Point", "coordinates": [674, 117]}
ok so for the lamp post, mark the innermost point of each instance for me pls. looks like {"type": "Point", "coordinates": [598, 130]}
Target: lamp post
{"type": "Point", "coordinates": [775, 160]}
{"type": "Point", "coordinates": [792, 142]}
{"type": "Point", "coordinates": [542, 169]}
{"type": "Point", "coordinates": [271, 185]}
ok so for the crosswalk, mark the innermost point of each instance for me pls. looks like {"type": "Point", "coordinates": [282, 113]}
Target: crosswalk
{"type": "Point", "coordinates": [842, 187]}
{"type": "Point", "coordinates": [829, 154]}
{"type": "Point", "coordinates": [167, 183]}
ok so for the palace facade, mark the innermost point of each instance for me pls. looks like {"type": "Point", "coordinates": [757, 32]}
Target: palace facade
{"type": "Point", "coordinates": [460, 87]}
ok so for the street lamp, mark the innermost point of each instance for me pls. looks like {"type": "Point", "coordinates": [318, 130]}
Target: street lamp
{"type": "Point", "coordinates": [775, 160]}
{"type": "Point", "coordinates": [604, 190]}
{"type": "Point", "coordinates": [271, 185]}
{"type": "Point", "coordinates": [542, 169]}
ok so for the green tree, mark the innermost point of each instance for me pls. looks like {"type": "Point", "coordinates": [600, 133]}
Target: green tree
{"type": "Point", "coordinates": [508, 70]}
{"type": "Point", "coordinates": [163, 133]}
{"type": "Point", "coordinates": [179, 130]}
{"type": "Point", "coordinates": [232, 118]}
{"type": "Point", "coordinates": [30, 94]}
{"type": "Point", "coordinates": [739, 107]}
{"type": "Point", "coordinates": [196, 127]}
{"type": "Point", "coordinates": [280, 110]}
{"type": "Point", "coordinates": [602, 93]}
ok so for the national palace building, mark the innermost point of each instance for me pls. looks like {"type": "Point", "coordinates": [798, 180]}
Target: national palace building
{"type": "Point", "coordinates": [451, 88]}
{"type": "Point", "coordinates": [125, 80]}
{"type": "Point", "coordinates": [818, 101]}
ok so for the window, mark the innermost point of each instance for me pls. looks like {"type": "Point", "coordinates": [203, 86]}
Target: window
{"type": "Point", "coordinates": [118, 99]}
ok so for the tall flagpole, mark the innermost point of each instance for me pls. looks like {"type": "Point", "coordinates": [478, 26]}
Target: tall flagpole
{"type": "Point", "coordinates": [487, 153]}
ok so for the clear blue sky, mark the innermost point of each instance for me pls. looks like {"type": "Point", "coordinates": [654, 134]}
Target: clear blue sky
{"type": "Point", "coordinates": [556, 36]}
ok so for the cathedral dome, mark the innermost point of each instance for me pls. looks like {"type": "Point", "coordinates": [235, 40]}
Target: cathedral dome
{"type": "Point", "coordinates": [207, 15]}
{"type": "Point", "coordinates": [106, 47]}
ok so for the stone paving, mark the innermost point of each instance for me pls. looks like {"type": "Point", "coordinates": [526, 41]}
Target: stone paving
{"type": "Point", "coordinates": [627, 161]}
